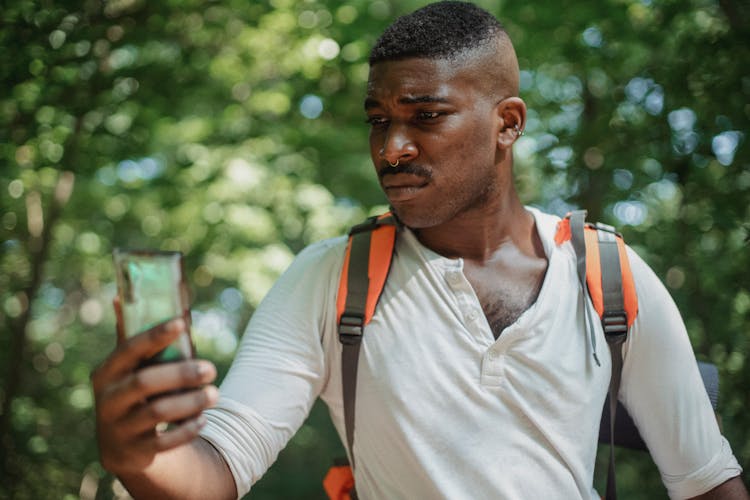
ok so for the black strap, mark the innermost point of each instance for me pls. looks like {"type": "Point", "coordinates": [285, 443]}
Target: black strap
{"type": "Point", "coordinates": [614, 320]}
{"type": "Point", "coordinates": [577, 239]}
{"type": "Point", "coordinates": [351, 327]}
{"type": "Point", "coordinates": [352, 321]}
{"type": "Point", "coordinates": [615, 325]}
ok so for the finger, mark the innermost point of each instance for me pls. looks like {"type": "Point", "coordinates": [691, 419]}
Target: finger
{"type": "Point", "coordinates": [152, 381]}
{"type": "Point", "coordinates": [180, 434]}
{"type": "Point", "coordinates": [141, 449]}
{"type": "Point", "coordinates": [171, 408]}
{"type": "Point", "coordinates": [128, 355]}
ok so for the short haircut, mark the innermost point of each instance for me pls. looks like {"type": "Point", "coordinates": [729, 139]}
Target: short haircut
{"type": "Point", "coordinates": [442, 30]}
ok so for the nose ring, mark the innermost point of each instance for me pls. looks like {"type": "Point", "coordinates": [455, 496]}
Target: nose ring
{"type": "Point", "coordinates": [382, 155]}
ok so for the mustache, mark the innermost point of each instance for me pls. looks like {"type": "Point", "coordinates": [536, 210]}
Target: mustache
{"type": "Point", "coordinates": [407, 168]}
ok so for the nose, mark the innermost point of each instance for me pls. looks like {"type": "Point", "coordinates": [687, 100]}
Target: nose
{"type": "Point", "coordinates": [398, 147]}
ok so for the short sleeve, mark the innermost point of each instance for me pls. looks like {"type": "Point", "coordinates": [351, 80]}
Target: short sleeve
{"type": "Point", "coordinates": [664, 393]}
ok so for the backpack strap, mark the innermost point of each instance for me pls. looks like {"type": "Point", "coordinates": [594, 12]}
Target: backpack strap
{"type": "Point", "coordinates": [366, 263]}
{"type": "Point", "coordinates": [604, 271]}
{"type": "Point", "coordinates": [339, 483]}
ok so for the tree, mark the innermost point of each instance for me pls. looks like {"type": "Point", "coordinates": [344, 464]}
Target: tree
{"type": "Point", "coordinates": [233, 131]}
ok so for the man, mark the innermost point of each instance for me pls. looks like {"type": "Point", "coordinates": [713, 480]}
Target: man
{"type": "Point", "coordinates": [476, 379]}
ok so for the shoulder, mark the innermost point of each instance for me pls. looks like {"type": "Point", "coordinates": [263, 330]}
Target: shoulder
{"type": "Point", "coordinates": [316, 267]}
{"type": "Point", "coordinates": [320, 257]}
{"type": "Point", "coordinates": [546, 227]}
{"type": "Point", "coordinates": [658, 325]}
{"type": "Point", "coordinates": [325, 251]}
{"type": "Point", "coordinates": [546, 223]}
{"type": "Point", "coordinates": [647, 283]}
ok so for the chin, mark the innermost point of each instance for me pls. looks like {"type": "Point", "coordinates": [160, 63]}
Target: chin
{"type": "Point", "coordinates": [418, 218]}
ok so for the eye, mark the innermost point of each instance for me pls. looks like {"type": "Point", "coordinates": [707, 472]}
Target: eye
{"type": "Point", "coordinates": [376, 121]}
{"type": "Point", "coordinates": [428, 115]}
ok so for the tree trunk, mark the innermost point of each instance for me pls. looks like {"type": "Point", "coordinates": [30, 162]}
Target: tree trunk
{"type": "Point", "coordinates": [40, 239]}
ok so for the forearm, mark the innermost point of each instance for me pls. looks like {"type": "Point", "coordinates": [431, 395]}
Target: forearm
{"type": "Point", "coordinates": [195, 470]}
{"type": "Point", "coordinates": [734, 489]}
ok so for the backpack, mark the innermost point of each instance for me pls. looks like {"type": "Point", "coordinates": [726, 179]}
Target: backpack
{"type": "Point", "coordinates": [603, 270]}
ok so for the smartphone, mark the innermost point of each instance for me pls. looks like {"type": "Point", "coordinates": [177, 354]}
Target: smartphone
{"type": "Point", "coordinates": [152, 290]}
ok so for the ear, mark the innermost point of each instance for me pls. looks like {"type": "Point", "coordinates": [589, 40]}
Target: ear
{"type": "Point", "coordinates": [511, 114]}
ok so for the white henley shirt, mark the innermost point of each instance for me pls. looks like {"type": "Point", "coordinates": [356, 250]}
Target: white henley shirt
{"type": "Point", "coordinates": [443, 409]}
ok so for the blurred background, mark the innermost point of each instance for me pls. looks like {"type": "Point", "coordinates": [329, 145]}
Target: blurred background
{"type": "Point", "coordinates": [234, 132]}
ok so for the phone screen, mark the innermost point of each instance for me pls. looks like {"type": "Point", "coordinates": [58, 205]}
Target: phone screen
{"type": "Point", "coordinates": [152, 290]}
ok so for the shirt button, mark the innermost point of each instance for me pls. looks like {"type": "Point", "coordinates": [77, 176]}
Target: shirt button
{"type": "Point", "coordinates": [454, 277]}
{"type": "Point", "coordinates": [492, 355]}
{"type": "Point", "coordinates": [472, 315]}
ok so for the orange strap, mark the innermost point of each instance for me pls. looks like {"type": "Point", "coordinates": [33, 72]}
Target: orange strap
{"type": "Point", "coordinates": [339, 482]}
{"type": "Point", "coordinates": [594, 276]}
{"type": "Point", "coordinates": [367, 260]}
{"type": "Point", "coordinates": [594, 270]}
{"type": "Point", "coordinates": [382, 241]}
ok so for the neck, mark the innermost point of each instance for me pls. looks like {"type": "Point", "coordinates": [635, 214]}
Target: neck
{"type": "Point", "coordinates": [480, 233]}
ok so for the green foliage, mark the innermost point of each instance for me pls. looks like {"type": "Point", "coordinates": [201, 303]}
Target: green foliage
{"type": "Point", "coordinates": [233, 131]}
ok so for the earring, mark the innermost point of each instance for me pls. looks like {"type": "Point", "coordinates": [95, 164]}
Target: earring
{"type": "Point", "coordinates": [518, 130]}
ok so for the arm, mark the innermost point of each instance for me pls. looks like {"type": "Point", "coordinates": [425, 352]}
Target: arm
{"type": "Point", "coordinates": [281, 366]}
{"type": "Point", "coordinates": [282, 353]}
{"type": "Point", "coordinates": [195, 470]}
{"type": "Point", "coordinates": [733, 489]}
{"type": "Point", "coordinates": [664, 394]}
{"type": "Point", "coordinates": [130, 402]}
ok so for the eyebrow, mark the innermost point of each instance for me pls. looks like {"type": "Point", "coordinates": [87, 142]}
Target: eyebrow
{"type": "Point", "coordinates": [420, 99]}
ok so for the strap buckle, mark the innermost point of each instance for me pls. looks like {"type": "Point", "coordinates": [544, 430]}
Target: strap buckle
{"type": "Point", "coordinates": [615, 325]}
{"type": "Point", "coordinates": [350, 328]}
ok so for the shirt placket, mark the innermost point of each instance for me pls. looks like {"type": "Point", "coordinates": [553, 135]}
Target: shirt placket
{"type": "Point", "coordinates": [474, 321]}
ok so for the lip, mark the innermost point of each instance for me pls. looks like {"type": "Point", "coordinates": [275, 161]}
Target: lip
{"type": "Point", "coordinates": [402, 187]}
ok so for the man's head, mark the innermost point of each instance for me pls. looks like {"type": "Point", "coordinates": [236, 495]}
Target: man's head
{"type": "Point", "coordinates": [443, 107]}
{"type": "Point", "coordinates": [453, 31]}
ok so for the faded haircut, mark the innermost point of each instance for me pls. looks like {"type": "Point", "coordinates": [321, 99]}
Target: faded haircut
{"type": "Point", "coordinates": [442, 30]}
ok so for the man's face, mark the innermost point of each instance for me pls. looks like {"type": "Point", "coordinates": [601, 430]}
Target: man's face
{"type": "Point", "coordinates": [433, 117]}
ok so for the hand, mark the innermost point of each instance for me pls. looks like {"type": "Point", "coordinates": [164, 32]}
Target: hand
{"type": "Point", "coordinates": [131, 402]}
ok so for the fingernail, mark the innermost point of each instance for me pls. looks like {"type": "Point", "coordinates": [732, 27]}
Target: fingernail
{"type": "Point", "coordinates": [177, 324]}
{"type": "Point", "coordinates": [196, 424]}
{"type": "Point", "coordinates": [204, 369]}
{"type": "Point", "coordinates": [213, 394]}
{"type": "Point", "coordinates": [200, 422]}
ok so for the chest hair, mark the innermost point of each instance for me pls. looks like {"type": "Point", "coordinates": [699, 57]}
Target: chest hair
{"type": "Point", "coordinates": [503, 308]}
{"type": "Point", "coordinates": [506, 296]}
